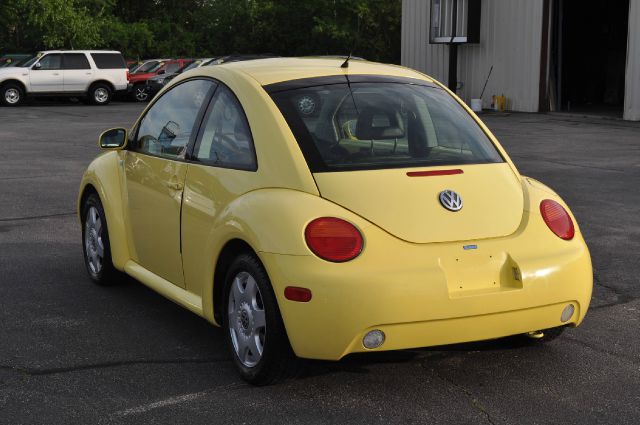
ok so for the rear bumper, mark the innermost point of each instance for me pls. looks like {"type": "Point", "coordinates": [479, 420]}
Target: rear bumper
{"type": "Point", "coordinates": [433, 294]}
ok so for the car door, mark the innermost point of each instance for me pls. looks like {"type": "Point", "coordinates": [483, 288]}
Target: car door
{"type": "Point", "coordinates": [223, 167]}
{"type": "Point", "coordinates": [77, 72]}
{"type": "Point", "coordinates": [155, 170]}
{"type": "Point", "coordinates": [46, 75]}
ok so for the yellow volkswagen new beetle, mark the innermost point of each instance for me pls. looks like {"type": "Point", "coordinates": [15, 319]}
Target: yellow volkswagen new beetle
{"type": "Point", "coordinates": [315, 209]}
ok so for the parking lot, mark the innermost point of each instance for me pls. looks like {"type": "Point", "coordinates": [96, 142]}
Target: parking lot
{"type": "Point", "coordinates": [72, 352]}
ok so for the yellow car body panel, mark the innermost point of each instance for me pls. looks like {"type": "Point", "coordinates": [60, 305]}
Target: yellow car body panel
{"type": "Point", "coordinates": [519, 278]}
{"type": "Point", "coordinates": [433, 294]}
{"type": "Point", "coordinates": [492, 196]}
{"type": "Point", "coordinates": [153, 193]}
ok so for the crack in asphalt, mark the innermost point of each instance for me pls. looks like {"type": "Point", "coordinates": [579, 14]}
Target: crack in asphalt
{"type": "Point", "coordinates": [602, 350]}
{"type": "Point", "coordinates": [37, 217]}
{"type": "Point", "coordinates": [105, 365]}
{"type": "Point", "coordinates": [44, 176]}
{"type": "Point", "coordinates": [622, 298]}
{"type": "Point", "coordinates": [468, 394]}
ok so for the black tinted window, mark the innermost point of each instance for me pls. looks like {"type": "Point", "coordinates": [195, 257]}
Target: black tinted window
{"type": "Point", "coordinates": [382, 125]}
{"type": "Point", "coordinates": [167, 126]}
{"type": "Point", "coordinates": [76, 61]}
{"type": "Point", "coordinates": [109, 60]}
{"type": "Point", "coordinates": [226, 139]}
{"type": "Point", "coordinates": [53, 61]}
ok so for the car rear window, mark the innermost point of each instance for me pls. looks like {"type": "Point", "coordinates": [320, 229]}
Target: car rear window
{"type": "Point", "coordinates": [109, 60]}
{"type": "Point", "coordinates": [373, 125]}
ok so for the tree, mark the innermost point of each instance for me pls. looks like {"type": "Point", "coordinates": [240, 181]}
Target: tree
{"type": "Point", "coordinates": [199, 28]}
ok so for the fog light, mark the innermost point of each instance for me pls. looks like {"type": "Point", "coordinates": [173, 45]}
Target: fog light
{"type": "Point", "coordinates": [373, 339]}
{"type": "Point", "coordinates": [567, 313]}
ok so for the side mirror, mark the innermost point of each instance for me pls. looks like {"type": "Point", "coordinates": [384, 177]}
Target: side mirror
{"type": "Point", "coordinates": [37, 66]}
{"type": "Point", "coordinates": [162, 71]}
{"type": "Point", "coordinates": [114, 139]}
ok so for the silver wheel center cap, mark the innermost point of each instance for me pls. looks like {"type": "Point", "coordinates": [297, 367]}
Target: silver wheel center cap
{"type": "Point", "coordinates": [244, 320]}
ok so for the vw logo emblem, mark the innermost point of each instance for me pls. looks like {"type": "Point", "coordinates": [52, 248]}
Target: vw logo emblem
{"type": "Point", "coordinates": [450, 200]}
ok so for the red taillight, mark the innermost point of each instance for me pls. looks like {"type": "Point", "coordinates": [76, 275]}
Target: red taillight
{"type": "Point", "coordinates": [557, 218]}
{"type": "Point", "coordinates": [127, 75]}
{"type": "Point", "coordinates": [333, 239]}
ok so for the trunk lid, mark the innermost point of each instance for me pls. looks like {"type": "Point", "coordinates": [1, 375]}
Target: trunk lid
{"type": "Point", "coordinates": [409, 207]}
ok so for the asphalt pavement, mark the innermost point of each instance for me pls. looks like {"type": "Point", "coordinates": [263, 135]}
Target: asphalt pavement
{"type": "Point", "coordinates": [75, 353]}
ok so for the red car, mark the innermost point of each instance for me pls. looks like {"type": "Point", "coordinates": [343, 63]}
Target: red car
{"type": "Point", "coordinates": [137, 80]}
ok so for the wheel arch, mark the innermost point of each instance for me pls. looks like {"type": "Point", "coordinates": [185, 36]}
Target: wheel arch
{"type": "Point", "coordinates": [107, 82]}
{"type": "Point", "coordinates": [102, 178]}
{"type": "Point", "coordinates": [228, 253]}
{"type": "Point", "coordinates": [15, 81]}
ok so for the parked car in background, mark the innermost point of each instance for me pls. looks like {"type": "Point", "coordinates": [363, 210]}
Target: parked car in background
{"type": "Point", "coordinates": [137, 80]}
{"type": "Point", "coordinates": [92, 75]}
{"type": "Point", "coordinates": [13, 59]}
{"type": "Point", "coordinates": [133, 64]}
{"type": "Point", "coordinates": [146, 65]}
{"type": "Point", "coordinates": [156, 83]}
{"type": "Point", "coordinates": [239, 58]}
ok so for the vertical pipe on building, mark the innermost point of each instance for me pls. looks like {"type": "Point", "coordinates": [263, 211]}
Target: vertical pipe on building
{"type": "Point", "coordinates": [543, 94]}
{"type": "Point", "coordinates": [453, 50]}
{"type": "Point", "coordinates": [632, 79]}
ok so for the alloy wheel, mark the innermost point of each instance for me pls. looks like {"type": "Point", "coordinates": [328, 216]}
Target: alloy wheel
{"type": "Point", "coordinates": [94, 246]}
{"type": "Point", "coordinates": [247, 321]}
{"type": "Point", "coordinates": [12, 96]}
{"type": "Point", "coordinates": [141, 94]}
{"type": "Point", "coordinates": [101, 95]}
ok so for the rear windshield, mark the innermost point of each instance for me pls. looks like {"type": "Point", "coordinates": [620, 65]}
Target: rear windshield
{"type": "Point", "coordinates": [109, 60]}
{"type": "Point", "coordinates": [362, 126]}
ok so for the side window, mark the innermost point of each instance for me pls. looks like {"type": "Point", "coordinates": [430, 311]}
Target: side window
{"type": "Point", "coordinates": [50, 62]}
{"type": "Point", "coordinates": [166, 128]}
{"type": "Point", "coordinates": [226, 139]}
{"type": "Point", "coordinates": [76, 61]}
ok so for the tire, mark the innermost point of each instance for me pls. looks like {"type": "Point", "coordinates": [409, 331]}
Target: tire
{"type": "Point", "coordinates": [249, 301]}
{"type": "Point", "coordinates": [100, 94]}
{"type": "Point", "coordinates": [12, 94]}
{"type": "Point", "coordinates": [139, 93]}
{"type": "Point", "coordinates": [95, 243]}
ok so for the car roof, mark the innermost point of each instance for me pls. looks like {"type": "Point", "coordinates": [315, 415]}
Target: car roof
{"type": "Point", "coordinates": [276, 70]}
{"type": "Point", "coordinates": [79, 51]}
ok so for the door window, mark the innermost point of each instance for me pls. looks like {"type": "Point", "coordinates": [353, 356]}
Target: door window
{"type": "Point", "coordinates": [226, 139]}
{"type": "Point", "coordinates": [76, 61]}
{"type": "Point", "coordinates": [50, 62]}
{"type": "Point", "coordinates": [167, 126]}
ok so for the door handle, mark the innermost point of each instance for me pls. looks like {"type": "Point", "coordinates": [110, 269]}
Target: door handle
{"type": "Point", "coordinates": [55, 73]}
{"type": "Point", "coordinates": [174, 185]}
{"type": "Point", "coordinates": [88, 73]}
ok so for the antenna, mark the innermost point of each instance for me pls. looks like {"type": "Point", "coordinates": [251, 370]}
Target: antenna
{"type": "Point", "coordinates": [345, 64]}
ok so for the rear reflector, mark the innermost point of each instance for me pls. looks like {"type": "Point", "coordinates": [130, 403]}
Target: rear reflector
{"type": "Point", "coordinates": [434, 173]}
{"type": "Point", "coordinates": [557, 218]}
{"type": "Point", "coordinates": [295, 293]}
{"type": "Point", "coordinates": [333, 239]}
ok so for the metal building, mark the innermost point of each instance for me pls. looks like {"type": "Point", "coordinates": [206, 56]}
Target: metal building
{"type": "Point", "coordinates": [547, 55]}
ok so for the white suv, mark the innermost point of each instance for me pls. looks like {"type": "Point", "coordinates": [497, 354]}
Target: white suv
{"type": "Point", "coordinates": [93, 75]}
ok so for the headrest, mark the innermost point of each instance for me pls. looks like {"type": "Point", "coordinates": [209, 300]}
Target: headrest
{"type": "Point", "coordinates": [375, 123]}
